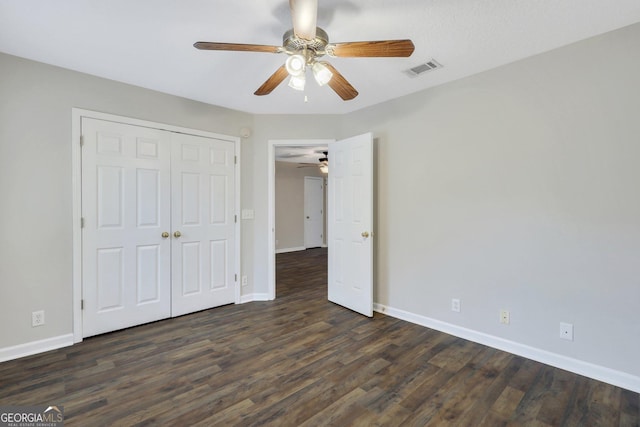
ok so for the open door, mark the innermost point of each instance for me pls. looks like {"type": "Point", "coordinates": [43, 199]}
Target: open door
{"type": "Point", "coordinates": [350, 222]}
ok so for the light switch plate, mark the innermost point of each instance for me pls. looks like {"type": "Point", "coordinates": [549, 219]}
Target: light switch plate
{"type": "Point", "coordinates": [247, 214]}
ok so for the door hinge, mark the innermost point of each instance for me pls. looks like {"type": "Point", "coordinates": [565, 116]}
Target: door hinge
{"type": "Point", "coordinates": [236, 276]}
{"type": "Point", "coordinates": [235, 218]}
{"type": "Point", "coordinates": [235, 160]}
{"type": "Point", "coordinates": [81, 140]}
{"type": "Point", "coordinates": [82, 222]}
{"type": "Point", "coordinates": [81, 304]}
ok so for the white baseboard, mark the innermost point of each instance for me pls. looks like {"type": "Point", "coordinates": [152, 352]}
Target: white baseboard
{"type": "Point", "coordinates": [35, 347]}
{"type": "Point", "coordinates": [600, 373]}
{"type": "Point", "coordinates": [296, 249]}
{"type": "Point", "coordinates": [254, 297]}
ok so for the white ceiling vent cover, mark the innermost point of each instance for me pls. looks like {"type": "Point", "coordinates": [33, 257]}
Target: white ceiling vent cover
{"type": "Point", "coordinates": [430, 65]}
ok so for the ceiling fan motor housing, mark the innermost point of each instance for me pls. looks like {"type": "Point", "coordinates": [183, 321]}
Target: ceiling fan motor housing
{"type": "Point", "coordinates": [293, 44]}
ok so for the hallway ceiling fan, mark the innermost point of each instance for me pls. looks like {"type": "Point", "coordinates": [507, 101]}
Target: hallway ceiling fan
{"type": "Point", "coordinates": [305, 44]}
{"type": "Point", "coordinates": [323, 163]}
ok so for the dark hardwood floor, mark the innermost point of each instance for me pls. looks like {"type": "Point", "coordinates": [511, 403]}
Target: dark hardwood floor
{"type": "Point", "coordinates": [300, 360]}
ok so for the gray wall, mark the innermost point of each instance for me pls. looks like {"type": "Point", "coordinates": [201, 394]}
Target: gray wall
{"type": "Point", "coordinates": [35, 181]}
{"type": "Point", "coordinates": [518, 189]}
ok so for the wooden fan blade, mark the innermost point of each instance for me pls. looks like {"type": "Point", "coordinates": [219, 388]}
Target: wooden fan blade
{"type": "Point", "coordinates": [383, 48]}
{"type": "Point", "coordinates": [272, 82]}
{"type": "Point", "coordinates": [304, 14]}
{"type": "Point", "coordinates": [340, 85]}
{"type": "Point", "coordinates": [239, 47]}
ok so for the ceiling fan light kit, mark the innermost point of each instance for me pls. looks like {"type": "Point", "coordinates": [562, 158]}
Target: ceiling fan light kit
{"type": "Point", "coordinates": [305, 43]}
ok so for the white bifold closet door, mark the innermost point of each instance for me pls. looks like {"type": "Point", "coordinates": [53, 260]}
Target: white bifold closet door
{"type": "Point", "coordinates": [158, 235]}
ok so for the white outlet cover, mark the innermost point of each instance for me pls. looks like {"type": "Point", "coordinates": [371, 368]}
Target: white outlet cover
{"type": "Point", "coordinates": [37, 318]}
{"type": "Point", "coordinates": [505, 317]}
{"type": "Point", "coordinates": [455, 305]}
{"type": "Point", "coordinates": [566, 331]}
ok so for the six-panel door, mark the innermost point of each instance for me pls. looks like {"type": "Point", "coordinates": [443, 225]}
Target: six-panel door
{"type": "Point", "coordinates": [203, 187]}
{"type": "Point", "coordinates": [126, 207]}
{"type": "Point", "coordinates": [350, 223]}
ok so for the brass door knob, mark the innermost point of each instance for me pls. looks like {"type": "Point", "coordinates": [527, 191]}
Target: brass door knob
{"type": "Point", "coordinates": [177, 234]}
{"type": "Point", "coordinates": [165, 234]}
{"type": "Point", "coordinates": [365, 234]}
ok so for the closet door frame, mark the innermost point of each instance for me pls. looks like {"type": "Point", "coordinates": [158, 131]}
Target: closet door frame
{"type": "Point", "coordinates": [76, 140]}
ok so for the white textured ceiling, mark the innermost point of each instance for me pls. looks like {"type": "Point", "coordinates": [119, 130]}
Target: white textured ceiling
{"type": "Point", "coordinates": [301, 154]}
{"type": "Point", "coordinates": [148, 43]}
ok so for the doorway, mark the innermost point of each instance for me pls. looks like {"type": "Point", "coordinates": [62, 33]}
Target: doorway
{"type": "Point", "coordinates": [349, 221]}
{"type": "Point", "coordinates": [273, 145]}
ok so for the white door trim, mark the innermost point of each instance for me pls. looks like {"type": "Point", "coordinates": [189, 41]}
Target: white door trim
{"type": "Point", "coordinates": [76, 182]}
{"type": "Point", "coordinates": [271, 222]}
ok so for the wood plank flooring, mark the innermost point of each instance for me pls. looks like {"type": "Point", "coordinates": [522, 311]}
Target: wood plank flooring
{"type": "Point", "coordinates": [302, 361]}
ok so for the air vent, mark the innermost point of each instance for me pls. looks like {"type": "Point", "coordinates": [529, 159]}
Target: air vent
{"type": "Point", "coordinates": [430, 65]}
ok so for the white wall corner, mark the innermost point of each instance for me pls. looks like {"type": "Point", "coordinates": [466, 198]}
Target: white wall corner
{"type": "Point", "coordinates": [35, 347]}
{"type": "Point", "coordinates": [596, 372]}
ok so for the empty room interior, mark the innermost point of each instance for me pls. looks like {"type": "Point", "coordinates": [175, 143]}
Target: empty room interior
{"type": "Point", "coordinates": [391, 213]}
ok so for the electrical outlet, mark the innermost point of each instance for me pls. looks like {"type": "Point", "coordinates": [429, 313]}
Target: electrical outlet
{"type": "Point", "coordinates": [245, 281]}
{"type": "Point", "coordinates": [505, 317]}
{"type": "Point", "coordinates": [37, 318]}
{"type": "Point", "coordinates": [455, 305]}
{"type": "Point", "coordinates": [566, 331]}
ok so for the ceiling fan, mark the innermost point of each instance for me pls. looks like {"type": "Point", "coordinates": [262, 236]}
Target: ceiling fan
{"type": "Point", "coordinates": [323, 163]}
{"type": "Point", "coordinates": [305, 44]}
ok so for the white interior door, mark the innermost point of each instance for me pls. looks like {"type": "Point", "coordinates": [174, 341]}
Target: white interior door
{"type": "Point", "coordinates": [350, 222]}
{"type": "Point", "coordinates": [125, 206]}
{"type": "Point", "coordinates": [313, 211]}
{"type": "Point", "coordinates": [203, 216]}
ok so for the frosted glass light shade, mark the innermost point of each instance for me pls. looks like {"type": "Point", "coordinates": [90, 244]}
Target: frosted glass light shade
{"type": "Point", "coordinates": [321, 73]}
{"type": "Point", "coordinates": [295, 65]}
{"type": "Point", "coordinates": [297, 82]}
